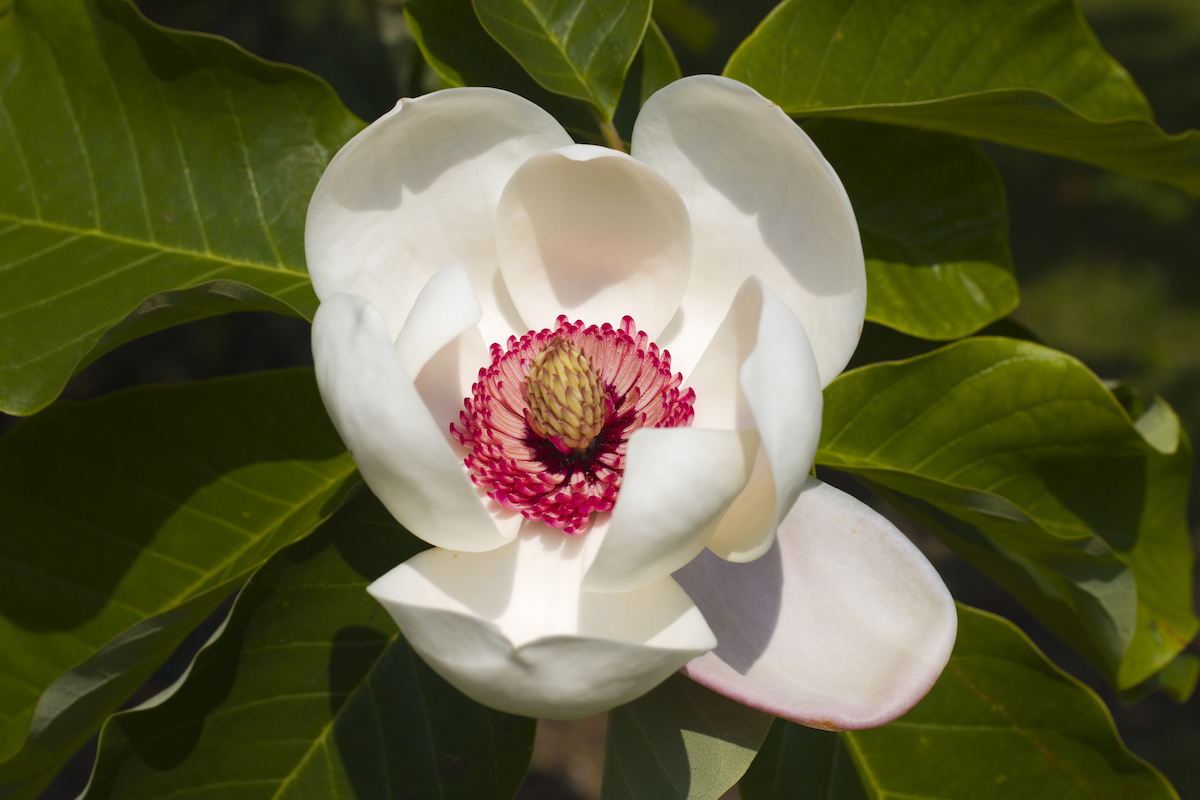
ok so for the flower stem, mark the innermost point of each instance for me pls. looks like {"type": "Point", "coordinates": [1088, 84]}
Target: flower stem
{"type": "Point", "coordinates": [608, 131]}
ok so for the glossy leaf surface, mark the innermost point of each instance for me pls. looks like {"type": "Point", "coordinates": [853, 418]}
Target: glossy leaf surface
{"type": "Point", "coordinates": [1002, 721]}
{"type": "Point", "coordinates": [934, 225]}
{"type": "Point", "coordinates": [127, 520]}
{"type": "Point", "coordinates": [310, 691]}
{"type": "Point", "coordinates": [136, 161]}
{"type": "Point", "coordinates": [1023, 463]}
{"type": "Point", "coordinates": [580, 49]}
{"type": "Point", "coordinates": [1028, 73]}
{"type": "Point", "coordinates": [679, 741]}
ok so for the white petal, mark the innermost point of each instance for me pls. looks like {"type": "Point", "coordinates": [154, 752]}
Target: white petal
{"type": "Point", "coordinates": [763, 201]}
{"type": "Point", "coordinates": [678, 483]}
{"type": "Point", "coordinates": [402, 455]}
{"type": "Point", "coordinates": [512, 628]}
{"type": "Point", "coordinates": [842, 625]}
{"type": "Point", "coordinates": [417, 190]}
{"type": "Point", "coordinates": [445, 307]}
{"type": "Point", "coordinates": [589, 232]}
{"type": "Point", "coordinates": [759, 373]}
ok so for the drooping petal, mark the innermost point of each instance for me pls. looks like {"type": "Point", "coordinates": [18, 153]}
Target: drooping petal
{"type": "Point", "coordinates": [842, 625]}
{"type": "Point", "coordinates": [591, 233]}
{"type": "Point", "coordinates": [512, 628]}
{"type": "Point", "coordinates": [402, 455]}
{"type": "Point", "coordinates": [759, 373]}
{"type": "Point", "coordinates": [417, 190]}
{"type": "Point", "coordinates": [763, 201]}
{"type": "Point", "coordinates": [678, 484]}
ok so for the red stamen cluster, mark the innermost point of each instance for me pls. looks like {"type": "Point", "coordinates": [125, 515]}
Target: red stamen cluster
{"type": "Point", "coordinates": [527, 473]}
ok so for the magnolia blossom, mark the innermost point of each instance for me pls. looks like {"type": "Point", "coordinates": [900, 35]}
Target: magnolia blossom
{"type": "Point", "coordinates": [592, 381]}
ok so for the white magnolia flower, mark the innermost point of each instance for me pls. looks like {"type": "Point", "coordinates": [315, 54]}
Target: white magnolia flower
{"type": "Point", "coordinates": [603, 513]}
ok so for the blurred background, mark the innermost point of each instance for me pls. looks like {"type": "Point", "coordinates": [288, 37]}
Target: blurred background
{"type": "Point", "coordinates": [1109, 269]}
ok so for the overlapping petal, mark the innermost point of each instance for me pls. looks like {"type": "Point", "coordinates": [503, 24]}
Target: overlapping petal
{"type": "Point", "coordinates": [417, 190]}
{"type": "Point", "coordinates": [468, 215]}
{"type": "Point", "coordinates": [678, 484]}
{"type": "Point", "coordinates": [591, 233]}
{"type": "Point", "coordinates": [764, 202]}
{"type": "Point", "coordinates": [398, 447]}
{"type": "Point", "coordinates": [843, 624]}
{"type": "Point", "coordinates": [759, 373]}
{"type": "Point", "coordinates": [513, 628]}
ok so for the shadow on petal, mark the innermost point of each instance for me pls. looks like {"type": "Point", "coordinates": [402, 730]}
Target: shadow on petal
{"type": "Point", "coordinates": [741, 602]}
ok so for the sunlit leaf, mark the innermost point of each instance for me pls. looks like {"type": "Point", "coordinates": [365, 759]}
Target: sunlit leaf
{"type": "Point", "coordinates": [1001, 722]}
{"type": "Point", "coordinates": [580, 49]}
{"type": "Point", "coordinates": [457, 47]}
{"type": "Point", "coordinates": [934, 225]}
{"type": "Point", "coordinates": [126, 521]}
{"type": "Point", "coordinates": [310, 692]}
{"type": "Point", "coordinates": [1024, 464]}
{"type": "Point", "coordinates": [679, 742]}
{"type": "Point", "coordinates": [136, 161]}
{"type": "Point", "coordinates": [1028, 73]}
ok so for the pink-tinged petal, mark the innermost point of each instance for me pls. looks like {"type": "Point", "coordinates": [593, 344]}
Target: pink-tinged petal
{"type": "Point", "coordinates": [402, 454]}
{"type": "Point", "coordinates": [758, 373]}
{"type": "Point", "coordinates": [842, 625]}
{"type": "Point", "coordinates": [679, 482]}
{"type": "Point", "coordinates": [417, 190]}
{"type": "Point", "coordinates": [588, 232]}
{"type": "Point", "coordinates": [764, 202]}
{"type": "Point", "coordinates": [513, 629]}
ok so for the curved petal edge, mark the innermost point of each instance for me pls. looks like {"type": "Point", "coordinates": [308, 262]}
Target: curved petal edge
{"type": "Point", "coordinates": [512, 629]}
{"type": "Point", "coordinates": [400, 452]}
{"type": "Point", "coordinates": [842, 625]}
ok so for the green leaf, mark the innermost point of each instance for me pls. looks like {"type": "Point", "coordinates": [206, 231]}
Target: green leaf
{"type": "Point", "coordinates": [679, 741]}
{"type": "Point", "coordinates": [127, 520]}
{"type": "Point", "coordinates": [799, 763]}
{"type": "Point", "coordinates": [311, 692]}
{"type": "Point", "coordinates": [1028, 73]}
{"type": "Point", "coordinates": [1177, 680]}
{"type": "Point", "coordinates": [461, 52]}
{"type": "Point", "coordinates": [579, 49]}
{"type": "Point", "coordinates": [1002, 721]}
{"type": "Point", "coordinates": [1020, 460]}
{"type": "Point", "coordinates": [934, 225]}
{"type": "Point", "coordinates": [136, 161]}
{"type": "Point", "coordinates": [658, 64]}
{"type": "Point", "coordinates": [653, 68]}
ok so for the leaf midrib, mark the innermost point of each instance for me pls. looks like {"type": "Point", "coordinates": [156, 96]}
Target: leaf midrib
{"type": "Point", "coordinates": [562, 51]}
{"type": "Point", "coordinates": [207, 255]}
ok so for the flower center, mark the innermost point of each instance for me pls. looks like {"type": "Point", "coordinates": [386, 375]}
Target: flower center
{"type": "Point", "coordinates": [547, 423]}
{"type": "Point", "coordinates": [567, 403]}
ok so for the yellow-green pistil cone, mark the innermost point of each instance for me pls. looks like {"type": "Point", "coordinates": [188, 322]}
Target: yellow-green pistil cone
{"type": "Point", "coordinates": [566, 396]}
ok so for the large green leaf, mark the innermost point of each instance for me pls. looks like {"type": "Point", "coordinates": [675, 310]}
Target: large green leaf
{"type": "Point", "coordinates": [1001, 722]}
{"type": "Point", "coordinates": [136, 161]}
{"type": "Point", "coordinates": [311, 692]}
{"type": "Point", "coordinates": [126, 521]}
{"type": "Point", "coordinates": [579, 49]}
{"type": "Point", "coordinates": [1028, 73]}
{"type": "Point", "coordinates": [679, 742]}
{"type": "Point", "coordinates": [1023, 463]}
{"type": "Point", "coordinates": [934, 225]}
